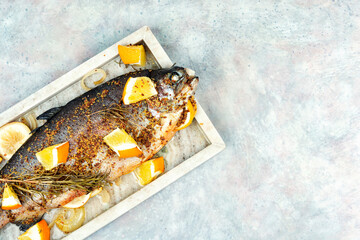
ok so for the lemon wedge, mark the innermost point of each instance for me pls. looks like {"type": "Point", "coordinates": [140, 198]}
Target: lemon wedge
{"type": "Point", "coordinates": [78, 202]}
{"type": "Point", "coordinates": [96, 192]}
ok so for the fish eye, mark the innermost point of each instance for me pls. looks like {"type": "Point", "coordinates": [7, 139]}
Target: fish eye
{"type": "Point", "coordinates": [175, 76]}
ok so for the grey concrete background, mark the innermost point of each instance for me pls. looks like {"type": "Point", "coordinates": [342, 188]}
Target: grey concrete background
{"type": "Point", "coordinates": [279, 80]}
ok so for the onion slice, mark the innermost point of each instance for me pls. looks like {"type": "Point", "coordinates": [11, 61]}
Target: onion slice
{"type": "Point", "coordinates": [104, 196]}
{"type": "Point", "coordinates": [96, 70]}
{"type": "Point", "coordinates": [29, 120]}
{"type": "Point", "coordinates": [69, 220]}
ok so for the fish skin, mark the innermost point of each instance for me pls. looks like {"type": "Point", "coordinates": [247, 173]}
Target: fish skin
{"type": "Point", "coordinates": [77, 123]}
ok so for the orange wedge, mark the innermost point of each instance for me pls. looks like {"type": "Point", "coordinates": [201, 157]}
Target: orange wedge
{"type": "Point", "coordinates": [149, 170]}
{"type": "Point", "coordinates": [10, 200]}
{"type": "Point", "coordinates": [138, 89]}
{"type": "Point", "coordinates": [78, 202]}
{"type": "Point", "coordinates": [54, 155]}
{"type": "Point", "coordinates": [132, 55]}
{"type": "Point", "coordinates": [190, 114]}
{"type": "Point", "coordinates": [122, 143]}
{"type": "Point", "coordinates": [12, 136]}
{"type": "Point", "coordinates": [39, 231]}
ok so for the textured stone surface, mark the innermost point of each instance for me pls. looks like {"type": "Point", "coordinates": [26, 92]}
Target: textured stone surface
{"type": "Point", "coordinates": [279, 80]}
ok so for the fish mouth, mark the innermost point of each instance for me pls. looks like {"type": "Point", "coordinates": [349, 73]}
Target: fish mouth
{"type": "Point", "coordinates": [190, 72]}
{"type": "Point", "coordinates": [191, 82]}
{"type": "Point", "coordinates": [186, 89]}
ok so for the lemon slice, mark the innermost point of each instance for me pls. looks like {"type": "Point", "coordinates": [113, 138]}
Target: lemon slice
{"type": "Point", "coordinates": [78, 202]}
{"type": "Point", "coordinates": [12, 136]}
{"type": "Point", "coordinates": [52, 156]}
{"type": "Point", "coordinates": [190, 114]}
{"type": "Point", "coordinates": [149, 170]}
{"type": "Point", "coordinates": [96, 192]}
{"type": "Point", "coordinates": [122, 143]}
{"type": "Point", "coordinates": [10, 199]}
{"type": "Point", "coordinates": [132, 55]}
{"type": "Point", "coordinates": [39, 231]}
{"type": "Point", "coordinates": [138, 89]}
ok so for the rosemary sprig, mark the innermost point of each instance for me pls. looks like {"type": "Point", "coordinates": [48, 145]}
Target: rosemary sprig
{"type": "Point", "coordinates": [53, 183]}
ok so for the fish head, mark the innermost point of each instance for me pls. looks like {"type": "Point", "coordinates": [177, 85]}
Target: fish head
{"type": "Point", "coordinates": [174, 86]}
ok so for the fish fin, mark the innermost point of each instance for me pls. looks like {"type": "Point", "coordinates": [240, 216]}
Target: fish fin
{"type": "Point", "coordinates": [49, 113]}
{"type": "Point", "coordinates": [34, 130]}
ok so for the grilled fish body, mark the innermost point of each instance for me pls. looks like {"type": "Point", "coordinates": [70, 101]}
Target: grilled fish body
{"type": "Point", "coordinates": [82, 122]}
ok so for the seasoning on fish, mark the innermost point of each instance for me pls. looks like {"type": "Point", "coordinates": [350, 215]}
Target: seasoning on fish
{"type": "Point", "coordinates": [83, 123]}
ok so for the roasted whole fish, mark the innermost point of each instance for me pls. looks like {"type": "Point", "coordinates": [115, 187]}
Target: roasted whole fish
{"type": "Point", "coordinates": [84, 122]}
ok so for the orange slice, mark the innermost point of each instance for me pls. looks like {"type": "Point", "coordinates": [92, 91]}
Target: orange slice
{"type": "Point", "coordinates": [10, 200]}
{"type": "Point", "coordinates": [78, 202]}
{"type": "Point", "coordinates": [12, 136]}
{"type": "Point", "coordinates": [138, 89]}
{"type": "Point", "coordinates": [122, 143]}
{"type": "Point", "coordinates": [149, 170]}
{"type": "Point", "coordinates": [190, 114]}
{"type": "Point", "coordinates": [54, 155]}
{"type": "Point", "coordinates": [132, 55]}
{"type": "Point", "coordinates": [39, 231]}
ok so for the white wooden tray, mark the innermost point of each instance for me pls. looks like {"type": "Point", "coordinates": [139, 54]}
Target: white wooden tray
{"type": "Point", "coordinates": [203, 139]}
